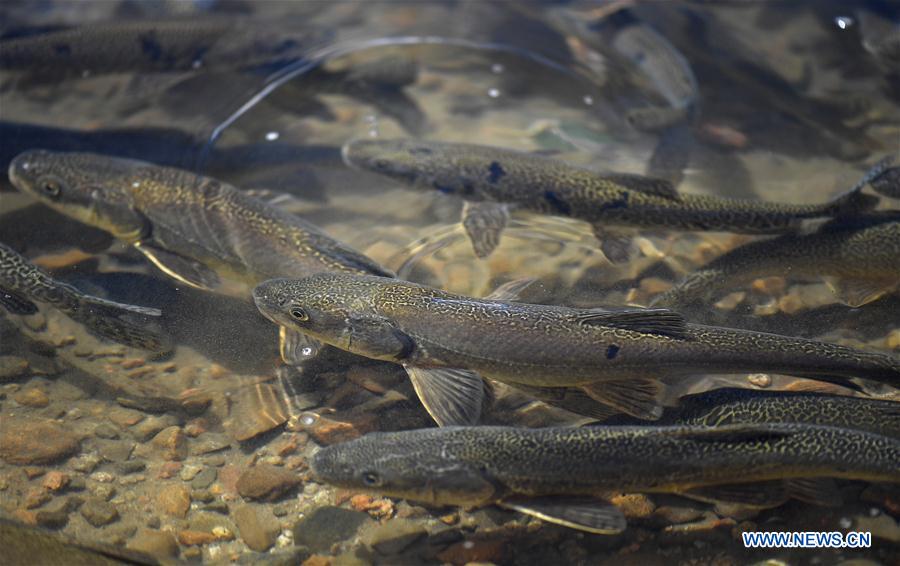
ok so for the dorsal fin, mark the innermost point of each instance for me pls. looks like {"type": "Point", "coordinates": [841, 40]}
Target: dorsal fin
{"type": "Point", "coordinates": [648, 321]}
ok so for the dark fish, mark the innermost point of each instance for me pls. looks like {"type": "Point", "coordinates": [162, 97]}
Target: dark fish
{"type": "Point", "coordinates": [493, 181]}
{"type": "Point", "coordinates": [858, 258]}
{"type": "Point", "coordinates": [615, 357]}
{"type": "Point", "coordinates": [28, 546]}
{"type": "Point", "coordinates": [556, 474]}
{"type": "Point", "coordinates": [21, 284]}
{"type": "Point", "coordinates": [193, 228]}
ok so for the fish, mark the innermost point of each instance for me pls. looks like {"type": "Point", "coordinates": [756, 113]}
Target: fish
{"type": "Point", "coordinates": [556, 474]}
{"type": "Point", "coordinates": [732, 405]}
{"type": "Point", "coordinates": [494, 181]}
{"type": "Point", "coordinates": [883, 178]}
{"type": "Point", "coordinates": [24, 546]}
{"type": "Point", "coordinates": [195, 229]}
{"type": "Point", "coordinates": [448, 342]}
{"type": "Point", "coordinates": [857, 257]}
{"type": "Point", "coordinates": [22, 284]}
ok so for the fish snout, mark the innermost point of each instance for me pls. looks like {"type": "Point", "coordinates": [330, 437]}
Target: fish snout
{"type": "Point", "coordinates": [24, 168]}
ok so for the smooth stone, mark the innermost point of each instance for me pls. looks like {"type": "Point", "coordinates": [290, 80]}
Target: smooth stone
{"type": "Point", "coordinates": [326, 526]}
{"type": "Point", "coordinates": [204, 479]}
{"type": "Point", "coordinates": [210, 442]}
{"type": "Point", "coordinates": [115, 450]}
{"type": "Point", "coordinates": [107, 431]}
{"type": "Point", "coordinates": [266, 482]}
{"type": "Point", "coordinates": [28, 441]}
{"type": "Point", "coordinates": [151, 426]}
{"type": "Point", "coordinates": [98, 512]}
{"type": "Point", "coordinates": [172, 442]}
{"type": "Point", "coordinates": [131, 467]}
{"type": "Point", "coordinates": [258, 527]}
{"type": "Point", "coordinates": [159, 544]}
{"type": "Point", "coordinates": [395, 536]}
{"type": "Point", "coordinates": [174, 499]}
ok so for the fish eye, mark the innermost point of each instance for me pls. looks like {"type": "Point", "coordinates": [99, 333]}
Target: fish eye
{"type": "Point", "coordinates": [298, 313]}
{"type": "Point", "coordinates": [371, 478]}
{"type": "Point", "coordinates": [51, 188]}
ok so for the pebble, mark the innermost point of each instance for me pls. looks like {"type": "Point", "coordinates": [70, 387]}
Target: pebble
{"type": "Point", "coordinates": [55, 480]}
{"type": "Point", "coordinates": [473, 551]}
{"type": "Point", "coordinates": [86, 463]}
{"type": "Point", "coordinates": [159, 544]}
{"type": "Point", "coordinates": [131, 467]}
{"type": "Point", "coordinates": [332, 431]}
{"type": "Point", "coordinates": [103, 477]}
{"type": "Point", "coordinates": [393, 537]}
{"type": "Point", "coordinates": [106, 430]}
{"type": "Point", "coordinates": [214, 507]}
{"type": "Point", "coordinates": [172, 442]}
{"type": "Point", "coordinates": [26, 441]}
{"type": "Point", "coordinates": [174, 500]}
{"type": "Point", "coordinates": [210, 442]}
{"type": "Point", "coordinates": [56, 519]}
{"type": "Point", "coordinates": [35, 498]}
{"type": "Point", "coordinates": [98, 512]}
{"type": "Point", "coordinates": [195, 538]}
{"type": "Point", "coordinates": [12, 367]}
{"type": "Point", "coordinates": [151, 426]}
{"type": "Point", "coordinates": [634, 505]}
{"type": "Point", "coordinates": [258, 527]}
{"type": "Point", "coordinates": [326, 526]}
{"type": "Point", "coordinates": [266, 482]}
{"type": "Point", "coordinates": [115, 450]}
{"type": "Point", "coordinates": [32, 397]}
{"type": "Point", "coordinates": [189, 471]}
{"type": "Point", "coordinates": [204, 479]}
{"type": "Point", "coordinates": [124, 418]}
{"type": "Point", "coordinates": [168, 470]}
{"type": "Point", "coordinates": [103, 491]}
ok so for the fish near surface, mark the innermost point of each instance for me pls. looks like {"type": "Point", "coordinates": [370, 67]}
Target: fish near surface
{"type": "Point", "coordinates": [858, 257]}
{"type": "Point", "coordinates": [615, 357]}
{"type": "Point", "coordinates": [194, 228]}
{"type": "Point", "coordinates": [22, 283]}
{"type": "Point", "coordinates": [494, 181]}
{"type": "Point", "coordinates": [555, 473]}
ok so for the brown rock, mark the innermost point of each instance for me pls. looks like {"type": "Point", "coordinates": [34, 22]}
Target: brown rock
{"type": "Point", "coordinates": [258, 527]}
{"type": "Point", "coordinates": [473, 551]}
{"type": "Point", "coordinates": [634, 505]}
{"type": "Point", "coordinates": [32, 397]}
{"type": "Point", "coordinates": [169, 470]}
{"type": "Point", "coordinates": [196, 538]}
{"type": "Point", "coordinates": [266, 482]}
{"type": "Point", "coordinates": [124, 417]}
{"type": "Point", "coordinates": [12, 367]}
{"type": "Point", "coordinates": [317, 560]}
{"type": "Point", "coordinates": [333, 431]}
{"type": "Point", "coordinates": [172, 442]}
{"type": "Point", "coordinates": [25, 441]}
{"type": "Point", "coordinates": [55, 480]}
{"type": "Point", "coordinates": [229, 476]}
{"type": "Point", "coordinates": [174, 499]}
{"type": "Point", "coordinates": [156, 543]}
{"type": "Point", "coordinates": [36, 497]}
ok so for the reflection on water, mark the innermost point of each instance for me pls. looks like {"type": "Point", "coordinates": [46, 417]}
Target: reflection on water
{"type": "Point", "coordinates": [203, 453]}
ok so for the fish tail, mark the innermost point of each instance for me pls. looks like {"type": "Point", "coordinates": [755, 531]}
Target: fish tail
{"type": "Point", "coordinates": [851, 202]}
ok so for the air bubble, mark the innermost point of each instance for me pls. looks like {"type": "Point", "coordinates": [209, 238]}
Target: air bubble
{"type": "Point", "coordinates": [497, 68]}
{"type": "Point", "coordinates": [272, 136]}
{"type": "Point", "coordinates": [843, 22]}
{"type": "Point", "coordinates": [493, 92]}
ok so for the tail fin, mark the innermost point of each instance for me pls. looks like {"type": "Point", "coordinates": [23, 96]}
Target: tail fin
{"type": "Point", "coordinates": [851, 202]}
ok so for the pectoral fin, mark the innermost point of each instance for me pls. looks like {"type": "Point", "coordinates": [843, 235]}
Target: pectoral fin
{"type": "Point", "coordinates": [571, 399]}
{"type": "Point", "coordinates": [511, 290]}
{"type": "Point", "coordinates": [758, 494]}
{"type": "Point", "coordinates": [186, 270]}
{"type": "Point", "coordinates": [451, 396]}
{"type": "Point", "coordinates": [582, 513]}
{"type": "Point", "coordinates": [106, 325]}
{"type": "Point", "coordinates": [113, 308]}
{"type": "Point", "coordinates": [484, 222]}
{"type": "Point", "coordinates": [638, 397]}
{"type": "Point", "coordinates": [857, 292]}
{"type": "Point", "coordinates": [648, 321]}
{"type": "Point", "coordinates": [616, 247]}
{"type": "Point", "coordinates": [296, 347]}
{"type": "Point", "coordinates": [818, 491]}
{"type": "Point", "coordinates": [15, 303]}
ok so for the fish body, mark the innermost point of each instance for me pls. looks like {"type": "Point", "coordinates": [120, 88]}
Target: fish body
{"type": "Point", "coordinates": [616, 357]}
{"type": "Point", "coordinates": [728, 406]}
{"type": "Point", "coordinates": [25, 546]}
{"type": "Point", "coordinates": [22, 283]}
{"type": "Point", "coordinates": [858, 257]}
{"type": "Point", "coordinates": [543, 471]}
{"type": "Point", "coordinates": [194, 228]}
{"type": "Point", "coordinates": [490, 177]}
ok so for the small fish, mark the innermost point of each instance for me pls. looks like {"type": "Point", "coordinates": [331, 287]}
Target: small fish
{"type": "Point", "coordinates": [494, 181]}
{"type": "Point", "coordinates": [22, 283]}
{"type": "Point", "coordinates": [858, 259]}
{"type": "Point", "coordinates": [26, 546]}
{"type": "Point", "coordinates": [556, 473]}
{"type": "Point", "coordinates": [193, 228]}
{"type": "Point", "coordinates": [616, 357]}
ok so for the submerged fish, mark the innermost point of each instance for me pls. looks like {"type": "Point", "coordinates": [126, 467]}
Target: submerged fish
{"type": "Point", "coordinates": [730, 405]}
{"type": "Point", "coordinates": [556, 473]}
{"type": "Point", "coordinates": [615, 357]}
{"type": "Point", "coordinates": [494, 181]}
{"type": "Point", "coordinates": [25, 546]}
{"type": "Point", "coordinates": [22, 283]}
{"type": "Point", "coordinates": [858, 257]}
{"type": "Point", "coordinates": [193, 228]}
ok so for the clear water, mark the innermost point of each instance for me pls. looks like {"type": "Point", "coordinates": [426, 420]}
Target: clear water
{"type": "Point", "coordinates": [787, 102]}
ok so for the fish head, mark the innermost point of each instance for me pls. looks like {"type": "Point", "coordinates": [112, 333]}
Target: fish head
{"type": "Point", "coordinates": [335, 308]}
{"type": "Point", "coordinates": [422, 465]}
{"type": "Point", "coordinates": [92, 189]}
{"type": "Point", "coordinates": [421, 164]}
